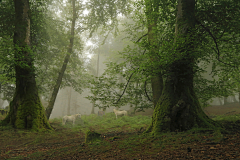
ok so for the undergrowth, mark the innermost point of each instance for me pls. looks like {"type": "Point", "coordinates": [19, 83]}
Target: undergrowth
{"type": "Point", "coordinates": [122, 137]}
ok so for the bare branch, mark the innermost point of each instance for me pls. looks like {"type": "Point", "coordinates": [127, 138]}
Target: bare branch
{"type": "Point", "coordinates": [215, 41]}
{"type": "Point", "coordinates": [124, 88]}
{"type": "Point", "coordinates": [144, 51]}
{"type": "Point", "coordinates": [141, 38]}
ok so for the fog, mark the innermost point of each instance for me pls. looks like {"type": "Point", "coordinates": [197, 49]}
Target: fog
{"type": "Point", "coordinates": [67, 97]}
{"type": "Point", "coordinates": [68, 100]}
{"type": "Point", "coordinates": [119, 79]}
{"type": "Point", "coordinates": [78, 104]}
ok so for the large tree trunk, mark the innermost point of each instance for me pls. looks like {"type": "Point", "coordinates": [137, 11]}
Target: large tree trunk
{"type": "Point", "coordinates": [26, 110]}
{"type": "Point", "coordinates": [64, 66]}
{"type": "Point", "coordinates": [178, 107]}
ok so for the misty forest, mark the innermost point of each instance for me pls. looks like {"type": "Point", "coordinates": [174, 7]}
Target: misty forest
{"type": "Point", "coordinates": [119, 79]}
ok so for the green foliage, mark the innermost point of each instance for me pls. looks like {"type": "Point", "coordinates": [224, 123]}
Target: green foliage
{"type": "Point", "coordinates": [108, 91]}
{"type": "Point", "coordinates": [7, 72]}
{"type": "Point", "coordinates": [127, 80]}
{"type": "Point", "coordinates": [232, 118]}
{"type": "Point", "coordinates": [49, 43]}
{"type": "Point", "coordinates": [52, 50]}
{"type": "Point", "coordinates": [216, 43]}
{"type": "Point", "coordinates": [69, 142]}
{"type": "Point", "coordinates": [92, 136]}
{"type": "Point", "coordinates": [108, 122]}
{"type": "Point", "coordinates": [105, 13]}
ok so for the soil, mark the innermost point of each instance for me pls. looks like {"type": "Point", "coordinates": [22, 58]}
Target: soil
{"type": "Point", "coordinates": [124, 145]}
{"type": "Point", "coordinates": [178, 146]}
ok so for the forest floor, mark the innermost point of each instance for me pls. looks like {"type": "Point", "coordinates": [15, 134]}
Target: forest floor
{"type": "Point", "coordinates": [120, 140]}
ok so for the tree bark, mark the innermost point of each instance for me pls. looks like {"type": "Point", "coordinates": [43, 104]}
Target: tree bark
{"type": "Point", "coordinates": [64, 66]}
{"type": "Point", "coordinates": [26, 110]}
{"type": "Point", "coordinates": [178, 107]}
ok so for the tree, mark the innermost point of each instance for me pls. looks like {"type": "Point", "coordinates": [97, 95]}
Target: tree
{"type": "Point", "coordinates": [26, 110]}
{"type": "Point", "coordinates": [64, 66]}
{"type": "Point", "coordinates": [152, 14]}
{"type": "Point", "coordinates": [199, 26]}
{"type": "Point", "coordinates": [109, 86]}
{"type": "Point", "coordinates": [178, 108]}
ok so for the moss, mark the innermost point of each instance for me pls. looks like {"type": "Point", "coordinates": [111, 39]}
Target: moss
{"type": "Point", "coordinates": [178, 109]}
{"type": "Point", "coordinates": [92, 136]}
{"type": "Point", "coordinates": [27, 112]}
{"type": "Point", "coordinates": [113, 138]}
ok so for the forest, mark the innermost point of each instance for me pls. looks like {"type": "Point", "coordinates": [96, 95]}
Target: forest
{"type": "Point", "coordinates": [119, 79]}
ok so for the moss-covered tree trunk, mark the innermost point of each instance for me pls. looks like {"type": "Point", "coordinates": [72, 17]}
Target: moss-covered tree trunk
{"type": "Point", "coordinates": [178, 107]}
{"type": "Point", "coordinates": [26, 110]}
{"type": "Point", "coordinates": [64, 66]}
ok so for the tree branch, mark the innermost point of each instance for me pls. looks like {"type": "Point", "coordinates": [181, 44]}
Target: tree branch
{"type": "Point", "coordinates": [215, 41]}
{"type": "Point", "coordinates": [124, 88]}
{"type": "Point", "coordinates": [141, 38]}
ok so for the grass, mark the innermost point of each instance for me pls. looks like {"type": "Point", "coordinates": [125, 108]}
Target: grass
{"type": "Point", "coordinates": [232, 118]}
{"type": "Point", "coordinates": [121, 140]}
